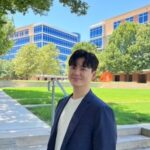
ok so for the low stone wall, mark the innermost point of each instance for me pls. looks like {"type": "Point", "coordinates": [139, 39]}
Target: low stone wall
{"type": "Point", "coordinates": [22, 83]}
{"type": "Point", "coordinates": [128, 85]}
{"type": "Point", "coordinates": [30, 83]}
{"type": "Point", "coordinates": [35, 83]}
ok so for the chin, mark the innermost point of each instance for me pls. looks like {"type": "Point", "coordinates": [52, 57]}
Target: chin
{"type": "Point", "coordinates": [76, 84]}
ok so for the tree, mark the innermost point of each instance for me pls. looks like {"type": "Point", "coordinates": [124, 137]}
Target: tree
{"type": "Point", "coordinates": [6, 31]}
{"type": "Point", "coordinates": [6, 69]}
{"type": "Point", "coordinates": [86, 46]}
{"type": "Point", "coordinates": [48, 60]}
{"type": "Point", "coordinates": [26, 61]}
{"type": "Point", "coordinates": [140, 51]}
{"type": "Point", "coordinates": [126, 49]}
{"type": "Point", "coordinates": [39, 7]}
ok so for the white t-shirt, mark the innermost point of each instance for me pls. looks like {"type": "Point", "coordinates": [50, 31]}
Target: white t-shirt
{"type": "Point", "coordinates": [65, 119]}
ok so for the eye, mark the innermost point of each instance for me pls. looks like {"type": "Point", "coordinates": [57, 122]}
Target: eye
{"type": "Point", "coordinates": [73, 67]}
{"type": "Point", "coordinates": [83, 69]}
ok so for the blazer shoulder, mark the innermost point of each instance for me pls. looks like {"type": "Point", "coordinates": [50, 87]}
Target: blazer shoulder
{"type": "Point", "coordinates": [98, 102]}
{"type": "Point", "coordinates": [62, 100]}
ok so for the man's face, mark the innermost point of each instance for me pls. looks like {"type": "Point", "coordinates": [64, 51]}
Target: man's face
{"type": "Point", "coordinates": [80, 76]}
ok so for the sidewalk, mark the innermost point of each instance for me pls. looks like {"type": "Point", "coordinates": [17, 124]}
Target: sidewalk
{"type": "Point", "coordinates": [19, 128]}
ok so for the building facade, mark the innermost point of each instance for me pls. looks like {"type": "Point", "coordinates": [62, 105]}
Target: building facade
{"type": "Point", "coordinates": [42, 34]}
{"type": "Point", "coordinates": [100, 32]}
{"type": "Point", "coordinates": [139, 77]}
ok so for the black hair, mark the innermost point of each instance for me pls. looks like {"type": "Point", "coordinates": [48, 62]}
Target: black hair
{"type": "Point", "coordinates": [90, 60]}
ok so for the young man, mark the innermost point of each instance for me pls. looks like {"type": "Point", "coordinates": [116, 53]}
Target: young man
{"type": "Point", "coordinates": [82, 120]}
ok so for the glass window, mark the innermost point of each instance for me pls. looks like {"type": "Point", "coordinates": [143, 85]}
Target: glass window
{"type": "Point", "coordinates": [21, 33]}
{"type": "Point", "coordinates": [143, 18]}
{"type": "Point", "coordinates": [130, 19]}
{"type": "Point", "coordinates": [116, 24]}
{"type": "Point", "coordinates": [39, 44]}
{"type": "Point", "coordinates": [57, 41]}
{"type": "Point", "coordinates": [44, 43]}
{"type": "Point", "coordinates": [98, 31]}
{"type": "Point", "coordinates": [61, 34]}
{"type": "Point", "coordinates": [22, 41]}
{"type": "Point", "coordinates": [64, 50]}
{"type": "Point", "coordinates": [26, 32]}
{"type": "Point", "coordinates": [38, 29]}
{"type": "Point", "coordinates": [37, 37]}
{"type": "Point", "coordinates": [62, 57]}
{"type": "Point", "coordinates": [98, 42]}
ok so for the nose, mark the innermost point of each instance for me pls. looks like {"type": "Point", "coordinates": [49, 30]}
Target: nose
{"type": "Point", "coordinates": [77, 71]}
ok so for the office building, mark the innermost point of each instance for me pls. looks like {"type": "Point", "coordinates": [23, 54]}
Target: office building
{"type": "Point", "coordinates": [100, 32]}
{"type": "Point", "coordinates": [42, 34]}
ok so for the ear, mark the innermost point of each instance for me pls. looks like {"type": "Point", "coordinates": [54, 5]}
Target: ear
{"type": "Point", "coordinates": [93, 75]}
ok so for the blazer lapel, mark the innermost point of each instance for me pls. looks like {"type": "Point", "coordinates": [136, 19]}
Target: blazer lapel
{"type": "Point", "coordinates": [76, 117]}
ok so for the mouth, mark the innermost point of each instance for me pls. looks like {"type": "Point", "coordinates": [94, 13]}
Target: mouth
{"type": "Point", "coordinates": [76, 78]}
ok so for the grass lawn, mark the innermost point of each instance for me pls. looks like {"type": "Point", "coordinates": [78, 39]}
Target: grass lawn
{"type": "Point", "coordinates": [130, 105]}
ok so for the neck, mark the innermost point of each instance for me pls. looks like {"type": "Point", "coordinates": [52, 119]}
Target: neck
{"type": "Point", "coordinates": [80, 92]}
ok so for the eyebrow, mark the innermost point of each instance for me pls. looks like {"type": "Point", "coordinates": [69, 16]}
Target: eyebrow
{"type": "Point", "coordinates": [80, 66]}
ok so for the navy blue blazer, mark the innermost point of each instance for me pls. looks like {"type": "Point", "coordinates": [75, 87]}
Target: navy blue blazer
{"type": "Point", "coordinates": [92, 126]}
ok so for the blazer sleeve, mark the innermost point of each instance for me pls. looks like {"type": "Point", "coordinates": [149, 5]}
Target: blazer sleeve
{"type": "Point", "coordinates": [105, 134]}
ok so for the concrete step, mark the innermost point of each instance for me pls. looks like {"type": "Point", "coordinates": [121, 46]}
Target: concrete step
{"type": "Point", "coordinates": [128, 130]}
{"type": "Point", "coordinates": [145, 131]}
{"type": "Point", "coordinates": [133, 137]}
{"type": "Point", "coordinates": [24, 132]}
{"type": "Point", "coordinates": [133, 142]}
{"type": "Point", "coordinates": [21, 142]}
{"type": "Point", "coordinates": [27, 138]}
{"type": "Point", "coordinates": [142, 149]}
{"type": "Point", "coordinates": [134, 129]}
{"type": "Point", "coordinates": [38, 147]}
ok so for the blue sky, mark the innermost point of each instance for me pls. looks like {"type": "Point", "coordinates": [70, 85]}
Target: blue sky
{"type": "Point", "coordinates": [62, 18]}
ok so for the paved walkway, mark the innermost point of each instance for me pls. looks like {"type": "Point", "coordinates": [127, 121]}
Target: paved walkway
{"type": "Point", "coordinates": [19, 128]}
